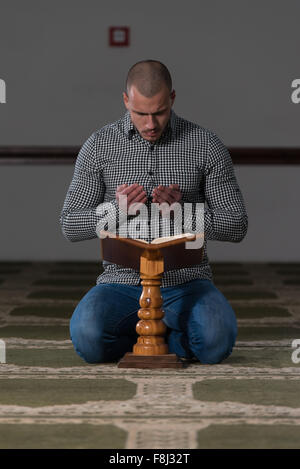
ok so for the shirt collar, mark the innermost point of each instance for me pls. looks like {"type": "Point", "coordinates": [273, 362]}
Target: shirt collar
{"type": "Point", "coordinates": [130, 129]}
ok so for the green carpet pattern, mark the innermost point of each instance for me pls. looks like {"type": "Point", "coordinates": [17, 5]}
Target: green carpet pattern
{"type": "Point", "coordinates": [51, 398]}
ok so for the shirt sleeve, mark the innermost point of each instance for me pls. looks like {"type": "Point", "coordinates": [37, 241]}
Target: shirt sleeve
{"type": "Point", "coordinates": [225, 218]}
{"type": "Point", "coordinates": [84, 205]}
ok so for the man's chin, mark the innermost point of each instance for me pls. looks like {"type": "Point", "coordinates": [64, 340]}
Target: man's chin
{"type": "Point", "coordinates": [150, 137]}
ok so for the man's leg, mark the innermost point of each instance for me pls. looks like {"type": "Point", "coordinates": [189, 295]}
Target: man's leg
{"type": "Point", "coordinates": [102, 327]}
{"type": "Point", "coordinates": [202, 323]}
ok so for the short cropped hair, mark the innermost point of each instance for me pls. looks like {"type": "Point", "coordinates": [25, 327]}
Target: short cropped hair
{"type": "Point", "coordinates": [149, 77]}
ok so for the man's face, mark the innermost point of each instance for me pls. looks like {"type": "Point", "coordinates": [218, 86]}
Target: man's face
{"type": "Point", "coordinates": [149, 115]}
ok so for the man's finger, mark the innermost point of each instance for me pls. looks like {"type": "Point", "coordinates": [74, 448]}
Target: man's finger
{"type": "Point", "coordinates": [135, 206]}
{"type": "Point", "coordinates": [175, 192]}
{"type": "Point", "coordinates": [135, 193]}
{"type": "Point", "coordinates": [163, 196]}
{"type": "Point", "coordinates": [160, 198]}
{"type": "Point", "coordinates": [130, 188]}
{"type": "Point", "coordinates": [120, 188]}
{"type": "Point", "coordinates": [123, 189]}
{"type": "Point", "coordinates": [175, 195]}
{"type": "Point", "coordinates": [138, 198]}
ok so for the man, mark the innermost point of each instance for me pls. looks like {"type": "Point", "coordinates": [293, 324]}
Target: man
{"type": "Point", "coordinates": [153, 155]}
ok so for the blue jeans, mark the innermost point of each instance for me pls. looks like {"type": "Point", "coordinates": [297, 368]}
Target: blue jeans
{"type": "Point", "coordinates": [200, 322]}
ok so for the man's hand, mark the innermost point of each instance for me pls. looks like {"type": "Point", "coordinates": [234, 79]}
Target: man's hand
{"type": "Point", "coordinates": [169, 194]}
{"type": "Point", "coordinates": [135, 194]}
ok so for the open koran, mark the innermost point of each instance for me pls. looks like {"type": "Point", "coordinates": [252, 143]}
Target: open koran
{"type": "Point", "coordinates": [165, 239]}
{"type": "Point", "coordinates": [126, 252]}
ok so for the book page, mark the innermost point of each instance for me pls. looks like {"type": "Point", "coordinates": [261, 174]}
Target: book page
{"type": "Point", "coordinates": [141, 240]}
{"type": "Point", "coordinates": [170, 238]}
{"type": "Point", "coordinates": [160, 240]}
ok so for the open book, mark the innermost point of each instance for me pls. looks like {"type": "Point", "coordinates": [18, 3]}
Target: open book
{"type": "Point", "coordinates": [161, 240]}
{"type": "Point", "coordinates": [165, 239]}
{"type": "Point", "coordinates": [127, 251]}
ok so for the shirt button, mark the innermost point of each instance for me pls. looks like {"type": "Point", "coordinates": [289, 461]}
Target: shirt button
{"type": "Point", "coordinates": [150, 173]}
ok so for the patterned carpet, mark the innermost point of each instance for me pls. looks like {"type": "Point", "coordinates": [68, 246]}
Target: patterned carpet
{"type": "Point", "coordinates": [50, 398]}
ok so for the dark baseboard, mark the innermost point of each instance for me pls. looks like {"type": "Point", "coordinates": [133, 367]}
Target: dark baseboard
{"type": "Point", "coordinates": [67, 155]}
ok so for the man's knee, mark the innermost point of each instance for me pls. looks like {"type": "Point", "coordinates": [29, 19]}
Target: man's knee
{"type": "Point", "coordinates": [212, 354]}
{"type": "Point", "coordinates": [89, 343]}
{"type": "Point", "coordinates": [97, 341]}
{"type": "Point", "coordinates": [212, 346]}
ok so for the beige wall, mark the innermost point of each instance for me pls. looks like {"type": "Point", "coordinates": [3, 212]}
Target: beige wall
{"type": "Point", "coordinates": [232, 62]}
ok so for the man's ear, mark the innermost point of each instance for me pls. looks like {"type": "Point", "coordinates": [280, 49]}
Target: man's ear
{"type": "Point", "coordinates": [125, 99]}
{"type": "Point", "coordinates": [173, 96]}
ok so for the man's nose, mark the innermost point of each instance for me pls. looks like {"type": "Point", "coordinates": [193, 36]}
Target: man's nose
{"type": "Point", "coordinates": [151, 122]}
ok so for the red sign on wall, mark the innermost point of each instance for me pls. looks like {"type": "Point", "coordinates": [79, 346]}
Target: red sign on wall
{"type": "Point", "coordinates": [119, 36]}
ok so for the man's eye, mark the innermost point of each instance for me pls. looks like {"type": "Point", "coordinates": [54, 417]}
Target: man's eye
{"type": "Point", "coordinates": [156, 114]}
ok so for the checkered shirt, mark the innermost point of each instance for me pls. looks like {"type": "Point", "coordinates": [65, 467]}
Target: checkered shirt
{"type": "Point", "coordinates": [186, 154]}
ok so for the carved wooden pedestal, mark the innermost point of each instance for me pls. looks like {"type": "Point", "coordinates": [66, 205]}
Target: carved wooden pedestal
{"type": "Point", "coordinates": [151, 351]}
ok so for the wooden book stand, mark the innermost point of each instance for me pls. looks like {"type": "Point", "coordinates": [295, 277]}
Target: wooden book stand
{"type": "Point", "coordinates": [151, 260]}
